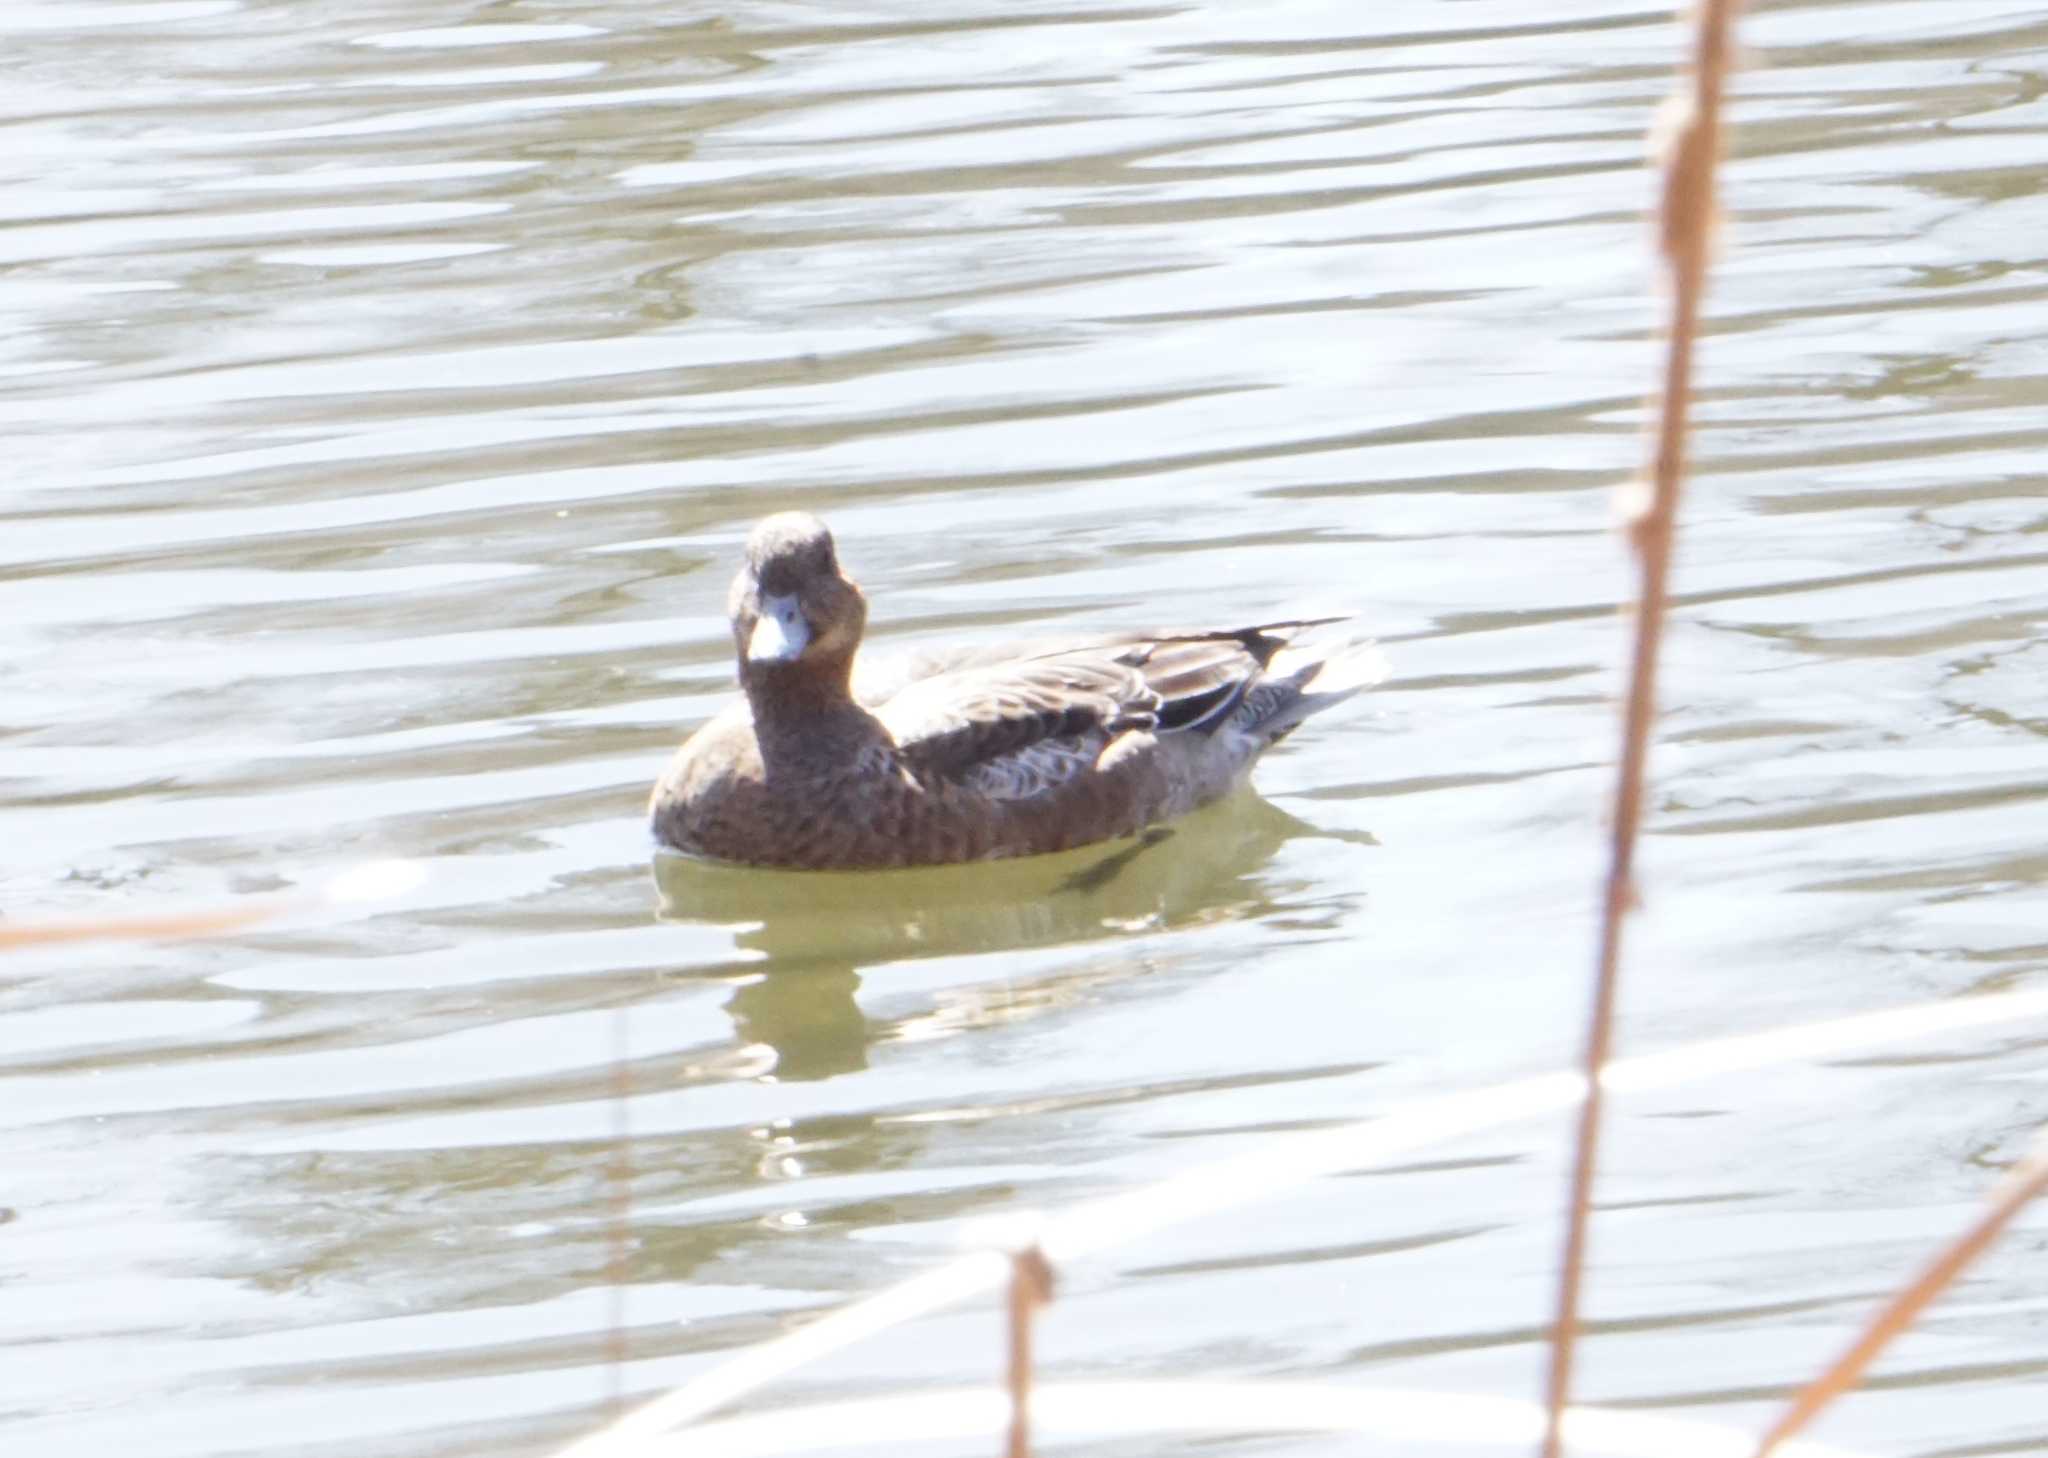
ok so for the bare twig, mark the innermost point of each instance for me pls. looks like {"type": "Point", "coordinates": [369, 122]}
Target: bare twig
{"type": "Point", "coordinates": [1685, 231]}
{"type": "Point", "coordinates": [1273, 1167]}
{"type": "Point", "coordinates": [1030, 1288]}
{"type": "Point", "coordinates": [372, 881]}
{"type": "Point", "coordinates": [2026, 1180]}
{"type": "Point", "coordinates": [150, 927]}
{"type": "Point", "coordinates": [618, 1255]}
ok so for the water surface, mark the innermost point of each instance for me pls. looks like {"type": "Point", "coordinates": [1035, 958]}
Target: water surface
{"type": "Point", "coordinates": [388, 389]}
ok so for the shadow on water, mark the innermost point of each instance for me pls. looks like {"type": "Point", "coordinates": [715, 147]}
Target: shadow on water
{"type": "Point", "coordinates": [815, 933]}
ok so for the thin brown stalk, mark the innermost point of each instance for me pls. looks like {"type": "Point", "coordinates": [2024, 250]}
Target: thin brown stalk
{"type": "Point", "coordinates": [1685, 233]}
{"type": "Point", "coordinates": [1030, 1288]}
{"type": "Point", "coordinates": [2026, 1180]}
{"type": "Point", "coordinates": [618, 1237]}
{"type": "Point", "coordinates": [152, 927]}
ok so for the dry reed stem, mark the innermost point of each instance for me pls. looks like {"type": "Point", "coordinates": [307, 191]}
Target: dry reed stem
{"type": "Point", "coordinates": [618, 1238]}
{"type": "Point", "coordinates": [1030, 1288]}
{"type": "Point", "coordinates": [1271, 1168]}
{"type": "Point", "coordinates": [150, 927]}
{"type": "Point", "coordinates": [370, 881]}
{"type": "Point", "coordinates": [2026, 1180]}
{"type": "Point", "coordinates": [1686, 219]}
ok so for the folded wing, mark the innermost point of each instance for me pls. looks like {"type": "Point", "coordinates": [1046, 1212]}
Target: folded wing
{"type": "Point", "coordinates": [1019, 726]}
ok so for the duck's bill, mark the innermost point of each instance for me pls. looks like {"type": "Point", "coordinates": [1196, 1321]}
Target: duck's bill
{"type": "Point", "coordinates": [780, 634]}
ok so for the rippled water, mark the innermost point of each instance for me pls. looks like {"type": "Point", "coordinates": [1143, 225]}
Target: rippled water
{"type": "Point", "coordinates": [387, 388]}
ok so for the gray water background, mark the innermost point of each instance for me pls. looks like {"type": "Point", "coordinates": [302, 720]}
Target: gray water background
{"type": "Point", "coordinates": [387, 387]}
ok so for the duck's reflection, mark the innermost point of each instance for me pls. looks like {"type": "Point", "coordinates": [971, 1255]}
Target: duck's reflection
{"type": "Point", "coordinates": [816, 932]}
{"type": "Point", "coordinates": [808, 1016]}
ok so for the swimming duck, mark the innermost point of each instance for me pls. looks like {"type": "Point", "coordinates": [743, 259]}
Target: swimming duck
{"type": "Point", "coordinates": [975, 753]}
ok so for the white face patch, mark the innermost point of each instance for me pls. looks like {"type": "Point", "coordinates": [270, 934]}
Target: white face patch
{"type": "Point", "coordinates": [780, 634]}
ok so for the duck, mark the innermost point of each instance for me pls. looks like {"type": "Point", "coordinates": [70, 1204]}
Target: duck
{"type": "Point", "coordinates": [833, 762]}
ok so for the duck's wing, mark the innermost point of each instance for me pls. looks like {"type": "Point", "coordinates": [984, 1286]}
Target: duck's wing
{"type": "Point", "coordinates": [1039, 720]}
{"type": "Point", "coordinates": [1046, 715]}
{"type": "Point", "coordinates": [879, 677]}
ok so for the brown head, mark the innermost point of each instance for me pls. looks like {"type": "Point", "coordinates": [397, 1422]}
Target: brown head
{"type": "Point", "coordinates": [796, 618]}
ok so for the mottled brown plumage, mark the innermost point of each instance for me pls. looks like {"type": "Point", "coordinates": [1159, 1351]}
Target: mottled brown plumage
{"type": "Point", "coordinates": [972, 754]}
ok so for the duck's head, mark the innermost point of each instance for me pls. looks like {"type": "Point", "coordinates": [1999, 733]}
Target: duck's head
{"type": "Point", "coordinates": [792, 608]}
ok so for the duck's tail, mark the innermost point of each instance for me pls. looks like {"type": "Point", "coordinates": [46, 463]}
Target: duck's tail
{"type": "Point", "coordinates": [1302, 681]}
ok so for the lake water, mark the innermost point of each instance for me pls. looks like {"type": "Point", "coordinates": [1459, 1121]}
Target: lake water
{"type": "Point", "coordinates": [388, 387]}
